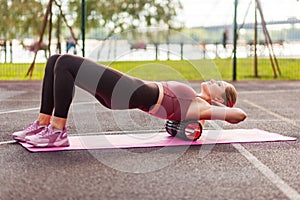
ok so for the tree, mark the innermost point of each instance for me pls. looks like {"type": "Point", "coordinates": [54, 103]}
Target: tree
{"type": "Point", "coordinates": [120, 15]}
{"type": "Point", "coordinates": [20, 18]}
{"type": "Point", "coordinates": [24, 17]}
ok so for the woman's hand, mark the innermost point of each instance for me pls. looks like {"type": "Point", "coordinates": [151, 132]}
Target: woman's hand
{"type": "Point", "coordinates": [232, 115]}
{"type": "Point", "coordinates": [235, 115]}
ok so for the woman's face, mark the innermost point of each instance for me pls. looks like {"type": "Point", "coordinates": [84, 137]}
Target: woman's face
{"type": "Point", "coordinates": [214, 89]}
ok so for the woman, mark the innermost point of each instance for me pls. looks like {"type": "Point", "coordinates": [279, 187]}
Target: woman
{"type": "Point", "coordinates": [115, 90]}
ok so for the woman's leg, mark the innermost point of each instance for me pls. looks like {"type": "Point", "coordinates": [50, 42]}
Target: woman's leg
{"type": "Point", "coordinates": [47, 100]}
{"type": "Point", "coordinates": [112, 88]}
{"type": "Point", "coordinates": [47, 104]}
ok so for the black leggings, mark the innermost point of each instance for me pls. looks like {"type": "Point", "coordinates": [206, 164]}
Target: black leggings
{"type": "Point", "coordinates": [111, 88]}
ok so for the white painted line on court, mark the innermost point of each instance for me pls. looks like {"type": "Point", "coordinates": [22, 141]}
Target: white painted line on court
{"type": "Point", "coordinates": [84, 103]}
{"type": "Point", "coordinates": [290, 192]}
{"type": "Point", "coordinates": [22, 100]}
{"type": "Point", "coordinates": [37, 108]}
{"type": "Point", "coordinates": [8, 142]}
{"type": "Point", "coordinates": [287, 120]}
{"type": "Point", "coordinates": [267, 91]}
{"type": "Point", "coordinates": [19, 110]}
{"type": "Point", "coordinates": [270, 120]}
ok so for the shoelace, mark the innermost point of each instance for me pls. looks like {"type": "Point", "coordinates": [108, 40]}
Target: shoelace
{"type": "Point", "coordinates": [48, 131]}
{"type": "Point", "coordinates": [44, 132]}
{"type": "Point", "coordinates": [31, 127]}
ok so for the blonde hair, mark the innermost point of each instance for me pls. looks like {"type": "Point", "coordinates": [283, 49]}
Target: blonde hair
{"type": "Point", "coordinates": [230, 96]}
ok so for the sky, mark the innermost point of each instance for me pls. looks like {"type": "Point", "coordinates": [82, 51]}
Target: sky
{"type": "Point", "coordinates": [218, 12]}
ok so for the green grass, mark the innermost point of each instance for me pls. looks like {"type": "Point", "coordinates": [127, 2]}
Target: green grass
{"type": "Point", "coordinates": [177, 70]}
{"type": "Point", "coordinates": [18, 71]}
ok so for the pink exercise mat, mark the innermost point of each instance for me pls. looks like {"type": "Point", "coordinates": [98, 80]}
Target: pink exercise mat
{"type": "Point", "coordinates": [162, 139]}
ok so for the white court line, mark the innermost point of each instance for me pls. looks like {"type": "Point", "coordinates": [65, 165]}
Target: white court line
{"type": "Point", "coordinates": [267, 91]}
{"type": "Point", "coordinates": [20, 110]}
{"type": "Point", "coordinates": [37, 108]}
{"type": "Point", "coordinates": [8, 142]}
{"type": "Point", "coordinates": [292, 122]}
{"type": "Point", "coordinates": [290, 192]}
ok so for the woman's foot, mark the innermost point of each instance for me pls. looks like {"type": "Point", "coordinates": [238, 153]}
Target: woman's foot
{"type": "Point", "coordinates": [49, 137]}
{"type": "Point", "coordinates": [32, 129]}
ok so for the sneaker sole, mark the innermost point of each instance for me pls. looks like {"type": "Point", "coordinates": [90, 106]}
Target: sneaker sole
{"type": "Point", "coordinates": [19, 139]}
{"type": "Point", "coordinates": [43, 145]}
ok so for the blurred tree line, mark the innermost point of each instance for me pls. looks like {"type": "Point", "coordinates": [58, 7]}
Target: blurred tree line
{"type": "Point", "coordinates": [20, 17]}
{"type": "Point", "coordinates": [24, 18]}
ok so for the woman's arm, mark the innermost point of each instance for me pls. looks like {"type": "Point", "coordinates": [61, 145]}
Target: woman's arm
{"type": "Point", "coordinates": [231, 115]}
{"type": "Point", "coordinates": [234, 115]}
{"type": "Point", "coordinates": [204, 111]}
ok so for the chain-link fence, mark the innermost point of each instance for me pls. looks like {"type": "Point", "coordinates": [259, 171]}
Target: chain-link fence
{"type": "Point", "coordinates": [262, 50]}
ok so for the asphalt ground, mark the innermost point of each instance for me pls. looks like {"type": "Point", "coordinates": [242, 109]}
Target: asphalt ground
{"type": "Point", "coordinates": [224, 171]}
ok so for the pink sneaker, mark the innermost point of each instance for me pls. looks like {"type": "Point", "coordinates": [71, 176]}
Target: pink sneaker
{"type": "Point", "coordinates": [49, 138]}
{"type": "Point", "coordinates": [32, 129]}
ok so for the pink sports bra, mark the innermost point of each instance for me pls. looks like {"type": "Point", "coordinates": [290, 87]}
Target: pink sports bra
{"type": "Point", "coordinates": [174, 100]}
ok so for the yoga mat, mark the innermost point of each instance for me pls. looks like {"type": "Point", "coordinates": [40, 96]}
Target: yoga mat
{"type": "Point", "coordinates": [162, 139]}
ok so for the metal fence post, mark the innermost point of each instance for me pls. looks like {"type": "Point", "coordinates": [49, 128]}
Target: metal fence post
{"type": "Point", "coordinates": [83, 26]}
{"type": "Point", "coordinates": [234, 40]}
